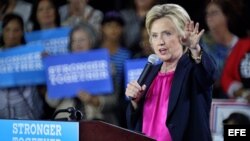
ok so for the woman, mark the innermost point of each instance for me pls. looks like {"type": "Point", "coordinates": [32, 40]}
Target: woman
{"type": "Point", "coordinates": [13, 31]}
{"type": "Point", "coordinates": [20, 102]}
{"type": "Point", "coordinates": [44, 15]}
{"type": "Point", "coordinates": [174, 103]}
{"type": "Point", "coordinates": [101, 107]}
{"type": "Point", "coordinates": [222, 17]}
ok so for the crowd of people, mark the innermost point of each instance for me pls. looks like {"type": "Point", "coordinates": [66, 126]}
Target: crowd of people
{"type": "Point", "coordinates": [137, 32]}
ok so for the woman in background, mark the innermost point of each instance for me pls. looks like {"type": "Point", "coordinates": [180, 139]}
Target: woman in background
{"type": "Point", "coordinates": [100, 107]}
{"type": "Point", "coordinates": [20, 102]}
{"type": "Point", "coordinates": [44, 15]}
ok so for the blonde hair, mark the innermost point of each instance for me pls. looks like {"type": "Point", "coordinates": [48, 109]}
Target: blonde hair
{"type": "Point", "coordinates": [177, 14]}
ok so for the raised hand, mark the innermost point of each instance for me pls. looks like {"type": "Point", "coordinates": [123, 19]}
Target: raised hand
{"type": "Point", "coordinates": [192, 35]}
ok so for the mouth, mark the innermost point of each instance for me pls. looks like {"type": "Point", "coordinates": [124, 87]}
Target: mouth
{"type": "Point", "coordinates": [163, 51]}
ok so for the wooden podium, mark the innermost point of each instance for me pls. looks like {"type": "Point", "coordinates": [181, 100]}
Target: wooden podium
{"type": "Point", "coordinates": [101, 131]}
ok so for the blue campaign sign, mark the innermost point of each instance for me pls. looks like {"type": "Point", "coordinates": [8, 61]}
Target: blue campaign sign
{"type": "Point", "coordinates": [86, 71]}
{"type": "Point", "coordinates": [133, 69]}
{"type": "Point", "coordinates": [28, 130]}
{"type": "Point", "coordinates": [22, 65]}
{"type": "Point", "coordinates": [55, 40]}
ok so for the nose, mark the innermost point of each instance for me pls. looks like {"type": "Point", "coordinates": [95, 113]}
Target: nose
{"type": "Point", "coordinates": [161, 41]}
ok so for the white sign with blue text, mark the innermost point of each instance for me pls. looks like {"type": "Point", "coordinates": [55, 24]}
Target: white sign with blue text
{"type": "Point", "coordinates": [27, 130]}
{"type": "Point", "coordinates": [88, 71]}
{"type": "Point", "coordinates": [55, 40]}
{"type": "Point", "coordinates": [22, 65]}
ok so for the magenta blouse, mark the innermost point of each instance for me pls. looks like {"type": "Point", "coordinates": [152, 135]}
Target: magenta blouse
{"type": "Point", "coordinates": [156, 108]}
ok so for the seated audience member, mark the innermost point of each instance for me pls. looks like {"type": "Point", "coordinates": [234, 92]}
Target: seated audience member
{"type": "Point", "coordinates": [44, 15]}
{"type": "Point", "coordinates": [235, 79]}
{"type": "Point", "coordinates": [101, 107]}
{"type": "Point", "coordinates": [20, 102]}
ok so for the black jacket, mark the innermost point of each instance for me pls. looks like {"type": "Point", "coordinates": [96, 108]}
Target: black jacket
{"type": "Point", "coordinates": [189, 102]}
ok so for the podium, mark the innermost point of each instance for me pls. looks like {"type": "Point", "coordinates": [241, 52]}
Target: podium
{"type": "Point", "coordinates": [101, 131]}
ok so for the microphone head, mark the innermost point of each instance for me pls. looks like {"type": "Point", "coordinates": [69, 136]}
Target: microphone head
{"type": "Point", "coordinates": [153, 59]}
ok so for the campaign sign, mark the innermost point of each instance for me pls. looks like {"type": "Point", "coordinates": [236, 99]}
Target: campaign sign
{"type": "Point", "coordinates": [133, 69]}
{"type": "Point", "coordinates": [69, 74]}
{"type": "Point", "coordinates": [55, 40]}
{"type": "Point", "coordinates": [28, 130]}
{"type": "Point", "coordinates": [21, 65]}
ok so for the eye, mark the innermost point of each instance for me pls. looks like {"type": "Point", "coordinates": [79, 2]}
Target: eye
{"type": "Point", "coordinates": [166, 33]}
{"type": "Point", "coordinates": [154, 36]}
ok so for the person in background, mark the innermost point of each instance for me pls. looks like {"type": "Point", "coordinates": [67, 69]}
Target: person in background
{"type": "Point", "coordinates": [101, 107]}
{"type": "Point", "coordinates": [44, 15]}
{"type": "Point", "coordinates": [221, 19]}
{"type": "Point", "coordinates": [235, 79]}
{"type": "Point", "coordinates": [20, 102]}
{"type": "Point", "coordinates": [20, 7]}
{"type": "Point", "coordinates": [112, 29]}
{"type": "Point", "coordinates": [142, 48]}
{"type": "Point", "coordinates": [174, 102]}
{"type": "Point", "coordinates": [77, 11]}
{"type": "Point", "coordinates": [237, 118]}
{"type": "Point", "coordinates": [133, 18]}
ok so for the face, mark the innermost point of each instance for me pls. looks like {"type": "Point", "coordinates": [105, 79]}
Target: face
{"type": "Point", "coordinates": [12, 34]}
{"type": "Point", "coordinates": [80, 41]}
{"type": "Point", "coordinates": [112, 31]}
{"type": "Point", "coordinates": [45, 13]}
{"type": "Point", "coordinates": [214, 17]}
{"type": "Point", "coordinates": [146, 4]}
{"type": "Point", "coordinates": [165, 40]}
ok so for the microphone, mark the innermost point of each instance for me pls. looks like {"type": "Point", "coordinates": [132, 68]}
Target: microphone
{"type": "Point", "coordinates": [75, 114]}
{"type": "Point", "coordinates": [152, 60]}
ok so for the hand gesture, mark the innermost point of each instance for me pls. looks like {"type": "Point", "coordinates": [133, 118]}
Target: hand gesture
{"type": "Point", "coordinates": [192, 35]}
{"type": "Point", "coordinates": [134, 90]}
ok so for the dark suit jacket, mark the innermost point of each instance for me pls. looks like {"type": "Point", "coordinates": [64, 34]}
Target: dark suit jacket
{"type": "Point", "coordinates": [189, 101]}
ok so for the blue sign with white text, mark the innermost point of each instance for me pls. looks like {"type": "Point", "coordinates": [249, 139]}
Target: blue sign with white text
{"type": "Point", "coordinates": [27, 130]}
{"type": "Point", "coordinates": [69, 74]}
{"type": "Point", "coordinates": [55, 40]}
{"type": "Point", "coordinates": [21, 65]}
{"type": "Point", "coordinates": [133, 69]}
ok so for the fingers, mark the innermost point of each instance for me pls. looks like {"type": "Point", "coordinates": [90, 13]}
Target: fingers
{"type": "Point", "coordinates": [134, 90]}
{"type": "Point", "coordinates": [201, 33]}
{"type": "Point", "coordinates": [191, 28]}
{"type": "Point", "coordinates": [196, 28]}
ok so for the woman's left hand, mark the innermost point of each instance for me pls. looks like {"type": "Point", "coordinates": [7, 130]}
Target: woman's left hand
{"type": "Point", "coordinates": [192, 35]}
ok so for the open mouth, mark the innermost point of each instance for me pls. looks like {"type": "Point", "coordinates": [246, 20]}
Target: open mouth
{"type": "Point", "coordinates": [163, 51]}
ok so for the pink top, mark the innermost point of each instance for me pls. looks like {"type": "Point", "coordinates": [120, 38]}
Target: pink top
{"type": "Point", "coordinates": [156, 108]}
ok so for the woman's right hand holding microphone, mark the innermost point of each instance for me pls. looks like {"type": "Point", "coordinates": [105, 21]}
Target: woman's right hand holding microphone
{"type": "Point", "coordinates": [135, 91]}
